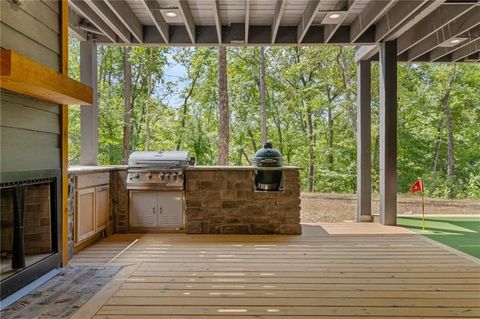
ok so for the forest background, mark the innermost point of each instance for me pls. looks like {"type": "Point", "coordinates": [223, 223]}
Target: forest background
{"type": "Point", "coordinates": [306, 97]}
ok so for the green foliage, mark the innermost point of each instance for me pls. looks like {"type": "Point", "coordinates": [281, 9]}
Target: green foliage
{"type": "Point", "coordinates": [317, 83]}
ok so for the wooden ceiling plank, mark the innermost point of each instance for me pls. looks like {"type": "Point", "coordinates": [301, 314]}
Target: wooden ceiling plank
{"type": "Point", "coordinates": [453, 29]}
{"type": "Point", "coordinates": [368, 16]}
{"type": "Point", "coordinates": [424, 11]}
{"type": "Point", "coordinates": [86, 11]}
{"type": "Point", "coordinates": [107, 15]}
{"type": "Point", "coordinates": [307, 18]}
{"type": "Point", "coordinates": [277, 17]}
{"type": "Point", "coordinates": [394, 17]}
{"type": "Point", "coordinates": [440, 52]}
{"type": "Point", "coordinates": [431, 23]}
{"type": "Point", "coordinates": [218, 20]}
{"type": "Point", "coordinates": [467, 50]}
{"type": "Point", "coordinates": [152, 8]}
{"type": "Point", "coordinates": [123, 12]}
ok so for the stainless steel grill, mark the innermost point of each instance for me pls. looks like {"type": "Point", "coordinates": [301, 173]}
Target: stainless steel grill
{"type": "Point", "coordinates": [157, 170]}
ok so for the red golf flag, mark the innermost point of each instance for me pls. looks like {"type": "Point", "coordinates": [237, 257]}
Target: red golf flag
{"type": "Point", "coordinates": [417, 186]}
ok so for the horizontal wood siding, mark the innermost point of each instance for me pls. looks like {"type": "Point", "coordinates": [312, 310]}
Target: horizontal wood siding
{"type": "Point", "coordinates": [30, 128]}
{"type": "Point", "coordinates": [32, 29]}
{"type": "Point", "coordinates": [29, 133]}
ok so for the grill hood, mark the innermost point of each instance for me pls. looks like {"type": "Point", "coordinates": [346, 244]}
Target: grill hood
{"type": "Point", "coordinates": [159, 159]}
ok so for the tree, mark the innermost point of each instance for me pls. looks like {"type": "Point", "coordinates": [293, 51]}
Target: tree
{"type": "Point", "coordinates": [128, 107]}
{"type": "Point", "coordinates": [223, 132]}
{"type": "Point", "coordinates": [263, 112]}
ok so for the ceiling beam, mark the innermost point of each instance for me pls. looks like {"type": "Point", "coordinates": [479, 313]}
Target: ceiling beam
{"type": "Point", "coordinates": [153, 10]}
{"type": "Point", "coordinates": [107, 15]}
{"type": "Point", "coordinates": [82, 8]}
{"type": "Point", "coordinates": [440, 52]}
{"type": "Point", "coordinates": [123, 12]}
{"type": "Point", "coordinates": [368, 16]}
{"type": "Point", "coordinates": [465, 51]}
{"type": "Point", "coordinates": [277, 17]}
{"type": "Point", "coordinates": [465, 22]}
{"type": "Point", "coordinates": [366, 52]}
{"type": "Point", "coordinates": [429, 25]}
{"type": "Point", "coordinates": [412, 20]}
{"type": "Point", "coordinates": [247, 19]}
{"type": "Point", "coordinates": [307, 18]}
{"type": "Point", "coordinates": [187, 18]}
{"type": "Point", "coordinates": [394, 17]}
{"type": "Point", "coordinates": [330, 29]}
{"type": "Point", "coordinates": [218, 20]}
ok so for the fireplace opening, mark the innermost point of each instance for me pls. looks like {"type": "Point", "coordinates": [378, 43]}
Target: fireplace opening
{"type": "Point", "coordinates": [28, 229]}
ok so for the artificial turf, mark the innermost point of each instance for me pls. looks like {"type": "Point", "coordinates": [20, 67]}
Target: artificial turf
{"type": "Point", "coordinates": [461, 233]}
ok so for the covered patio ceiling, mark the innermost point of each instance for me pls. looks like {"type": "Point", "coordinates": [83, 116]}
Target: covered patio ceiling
{"type": "Point", "coordinates": [425, 30]}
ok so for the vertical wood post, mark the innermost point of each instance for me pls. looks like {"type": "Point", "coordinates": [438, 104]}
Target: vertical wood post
{"type": "Point", "coordinates": [89, 114]}
{"type": "Point", "coordinates": [364, 185]}
{"type": "Point", "coordinates": [388, 133]}
{"type": "Point", "coordinates": [64, 130]}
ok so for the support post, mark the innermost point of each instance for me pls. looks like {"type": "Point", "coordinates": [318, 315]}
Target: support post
{"type": "Point", "coordinates": [364, 185]}
{"type": "Point", "coordinates": [89, 113]}
{"type": "Point", "coordinates": [388, 133]}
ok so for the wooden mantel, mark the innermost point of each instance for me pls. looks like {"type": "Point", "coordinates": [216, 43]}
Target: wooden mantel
{"type": "Point", "coordinates": [22, 75]}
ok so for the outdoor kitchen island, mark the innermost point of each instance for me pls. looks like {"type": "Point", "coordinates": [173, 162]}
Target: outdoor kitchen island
{"type": "Point", "coordinates": [224, 200]}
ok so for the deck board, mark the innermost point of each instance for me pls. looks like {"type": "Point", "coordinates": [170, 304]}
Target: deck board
{"type": "Point", "coordinates": [332, 271]}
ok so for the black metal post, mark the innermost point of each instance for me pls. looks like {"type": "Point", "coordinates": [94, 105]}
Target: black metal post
{"type": "Point", "coordinates": [18, 259]}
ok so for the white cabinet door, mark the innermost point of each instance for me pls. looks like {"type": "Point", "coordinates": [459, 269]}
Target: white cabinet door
{"type": "Point", "coordinates": [143, 209]}
{"type": "Point", "coordinates": [170, 210]}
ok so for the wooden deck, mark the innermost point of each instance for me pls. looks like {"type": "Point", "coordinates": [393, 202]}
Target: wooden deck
{"type": "Point", "coordinates": [342, 270]}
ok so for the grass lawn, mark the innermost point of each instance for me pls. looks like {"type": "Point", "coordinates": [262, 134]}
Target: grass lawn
{"type": "Point", "coordinates": [461, 233]}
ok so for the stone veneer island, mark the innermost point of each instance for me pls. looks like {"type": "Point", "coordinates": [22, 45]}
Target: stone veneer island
{"type": "Point", "coordinates": [223, 200]}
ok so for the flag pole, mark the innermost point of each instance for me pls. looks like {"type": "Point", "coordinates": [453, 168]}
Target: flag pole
{"type": "Point", "coordinates": [423, 210]}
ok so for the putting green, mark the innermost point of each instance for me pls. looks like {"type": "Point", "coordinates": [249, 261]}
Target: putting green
{"type": "Point", "coordinates": [461, 233]}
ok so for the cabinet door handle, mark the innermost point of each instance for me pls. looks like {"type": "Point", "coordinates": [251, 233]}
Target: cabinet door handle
{"type": "Point", "coordinates": [160, 209]}
{"type": "Point", "coordinates": [103, 189]}
{"type": "Point", "coordinates": [153, 210]}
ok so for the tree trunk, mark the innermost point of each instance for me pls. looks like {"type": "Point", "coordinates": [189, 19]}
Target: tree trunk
{"type": "Point", "coordinates": [185, 110]}
{"type": "Point", "coordinates": [128, 107]}
{"type": "Point", "coordinates": [263, 112]}
{"type": "Point", "coordinates": [448, 115]}
{"type": "Point", "coordinates": [223, 134]}
{"type": "Point", "coordinates": [311, 154]}
{"type": "Point", "coordinates": [449, 124]}
{"type": "Point", "coordinates": [330, 138]}
{"type": "Point", "coordinates": [149, 100]}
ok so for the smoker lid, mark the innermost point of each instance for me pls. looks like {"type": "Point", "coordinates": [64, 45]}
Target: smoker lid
{"type": "Point", "coordinates": [159, 158]}
{"type": "Point", "coordinates": [268, 152]}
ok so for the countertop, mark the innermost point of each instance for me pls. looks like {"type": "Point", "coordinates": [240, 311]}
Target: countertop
{"type": "Point", "coordinates": [82, 169]}
{"type": "Point", "coordinates": [240, 168]}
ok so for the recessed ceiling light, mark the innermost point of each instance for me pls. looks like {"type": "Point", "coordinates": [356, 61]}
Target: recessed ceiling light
{"type": "Point", "coordinates": [453, 42]}
{"type": "Point", "coordinates": [171, 14]}
{"type": "Point", "coordinates": [332, 17]}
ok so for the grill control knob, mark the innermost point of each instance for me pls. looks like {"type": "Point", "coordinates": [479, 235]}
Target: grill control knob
{"type": "Point", "coordinates": [149, 176]}
{"type": "Point", "coordinates": [160, 175]}
{"type": "Point", "coordinates": [136, 176]}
